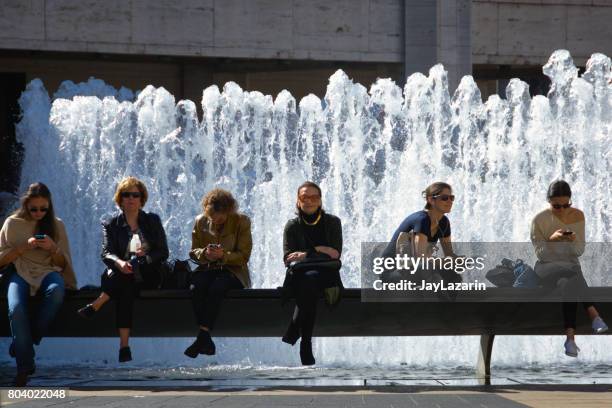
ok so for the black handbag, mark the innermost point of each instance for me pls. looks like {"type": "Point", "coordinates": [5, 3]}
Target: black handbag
{"type": "Point", "coordinates": [176, 274]}
{"type": "Point", "coordinates": [5, 273]}
{"type": "Point", "coordinates": [332, 294]}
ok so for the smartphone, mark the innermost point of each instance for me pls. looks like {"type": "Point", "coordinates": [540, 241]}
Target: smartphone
{"type": "Point", "coordinates": [567, 232]}
{"type": "Point", "coordinates": [39, 236]}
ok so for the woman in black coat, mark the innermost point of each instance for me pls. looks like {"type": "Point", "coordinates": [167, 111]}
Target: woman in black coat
{"type": "Point", "coordinates": [134, 248]}
{"type": "Point", "coordinates": [313, 234]}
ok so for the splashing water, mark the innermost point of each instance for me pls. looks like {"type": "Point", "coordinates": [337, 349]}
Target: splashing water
{"type": "Point", "coordinates": [372, 153]}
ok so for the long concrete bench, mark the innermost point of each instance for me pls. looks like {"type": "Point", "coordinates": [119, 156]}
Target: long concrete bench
{"type": "Point", "coordinates": [258, 313]}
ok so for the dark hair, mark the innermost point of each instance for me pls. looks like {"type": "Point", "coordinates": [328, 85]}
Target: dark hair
{"type": "Point", "coordinates": [308, 184]}
{"type": "Point", "coordinates": [434, 189]}
{"type": "Point", "coordinates": [219, 200]}
{"type": "Point", "coordinates": [45, 225]}
{"type": "Point", "coordinates": [558, 188]}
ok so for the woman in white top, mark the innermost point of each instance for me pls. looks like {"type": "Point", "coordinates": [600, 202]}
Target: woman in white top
{"type": "Point", "coordinates": [558, 236]}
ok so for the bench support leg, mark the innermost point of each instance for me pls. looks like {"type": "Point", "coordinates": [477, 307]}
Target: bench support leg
{"type": "Point", "coordinates": [483, 367]}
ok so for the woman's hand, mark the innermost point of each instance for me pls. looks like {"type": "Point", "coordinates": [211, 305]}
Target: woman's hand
{"type": "Point", "coordinates": [47, 244]}
{"type": "Point", "coordinates": [333, 253]}
{"type": "Point", "coordinates": [558, 236]}
{"type": "Point", "coordinates": [31, 244]}
{"type": "Point", "coordinates": [213, 253]}
{"type": "Point", "coordinates": [295, 257]}
{"type": "Point", "coordinates": [140, 253]}
{"type": "Point", "coordinates": [124, 267]}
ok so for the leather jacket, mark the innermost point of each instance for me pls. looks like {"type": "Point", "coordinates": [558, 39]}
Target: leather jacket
{"type": "Point", "coordinates": [117, 235]}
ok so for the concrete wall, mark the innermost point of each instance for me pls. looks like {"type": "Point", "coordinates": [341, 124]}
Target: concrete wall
{"type": "Point", "coordinates": [526, 32]}
{"type": "Point", "coordinates": [353, 30]}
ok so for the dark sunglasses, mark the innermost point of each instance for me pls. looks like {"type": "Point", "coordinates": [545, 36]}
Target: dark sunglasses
{"type": "Point", "coordinates": [127, 194]}
{"type": "Point", "coordinates": [560, 206]}
{"type": "Point", "coordinates": [36, 209]}
{"type": "Point", "coordinates": [444, 197]}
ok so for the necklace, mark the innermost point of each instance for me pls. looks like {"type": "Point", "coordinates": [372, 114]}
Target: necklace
{"type": "Point", "coordinates": [315, 222]}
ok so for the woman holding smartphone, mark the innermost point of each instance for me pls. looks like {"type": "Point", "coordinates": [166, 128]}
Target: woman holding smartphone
{"type": "Point", "coordinates": [35, 250]}
{"type": "Point", "coordinates": [558, 237]}
{"type": "Point", "coordinates": [221, 243]}
{"type": "Point", "coordinates": [134, 249]}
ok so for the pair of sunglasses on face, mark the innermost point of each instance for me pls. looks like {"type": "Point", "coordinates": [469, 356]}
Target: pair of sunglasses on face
{"type": "Point", "coordinates": [127, 194]}
{"type": "Point", "coordinates": [560, 206]}
{"type": "Point", "coordinates": [444, 197]}
{"type": "Point", "coordinates": [38, 209]}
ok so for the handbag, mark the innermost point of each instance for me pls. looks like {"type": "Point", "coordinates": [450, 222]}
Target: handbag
{"type": "Point", "coordinates": [331, 294]}
{"type": "Point", "coordinates": [176, 274]}
{"type": "Point", "coordinates": [5, 273]}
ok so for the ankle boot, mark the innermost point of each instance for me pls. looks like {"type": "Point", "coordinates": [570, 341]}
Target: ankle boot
{"type": "Point", "coordinates": [292, 334]}
{"type": "Point", "coordinates": [306, 353]}
{"type": "Point", "coordinates": [203, 344]}
{"type": "Point", "coordinates": [125, 354]}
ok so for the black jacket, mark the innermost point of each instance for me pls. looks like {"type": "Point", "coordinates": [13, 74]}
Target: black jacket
{"type": "Point", "coordinates": [294, 238]}
{"type": "Point", "coordinates": [117, 238]}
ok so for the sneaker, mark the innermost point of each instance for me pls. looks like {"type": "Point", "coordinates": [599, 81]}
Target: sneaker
{"type": "Point", "coordinates": [87, 312]}
{"type": "Point", "coordinates": [571, 349]}
{"type": "Point", "coordinates": [599, 326]}
{"type": "Point", "coordinates": [125, 354]}
{"type": "Point", "coordinates": [306, 353]}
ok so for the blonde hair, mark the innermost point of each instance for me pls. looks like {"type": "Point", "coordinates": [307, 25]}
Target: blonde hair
{"type": "Point", "coordinates": [218, 201]}
{"type": "Point", "coordinates": [128, 183]}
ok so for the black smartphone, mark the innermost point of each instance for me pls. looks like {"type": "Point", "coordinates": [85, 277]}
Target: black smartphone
{"type": "Point", "coordinates": [567, 232]}
{"type": "Point", "coordinates": [39, 236]}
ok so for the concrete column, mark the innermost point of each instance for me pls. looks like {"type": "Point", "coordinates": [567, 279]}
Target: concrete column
{"type": "Point", "coordinates": [454, 43]}
{"type": "Point", "coordinates": [438, 31]}
{"type": "Point", "coordinates": [420, 36]}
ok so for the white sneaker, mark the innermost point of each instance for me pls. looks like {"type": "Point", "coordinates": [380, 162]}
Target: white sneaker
{"type": "Point", "coordinates": [599, 326]}
{"type": "Point", "coordinates": [571, 349]}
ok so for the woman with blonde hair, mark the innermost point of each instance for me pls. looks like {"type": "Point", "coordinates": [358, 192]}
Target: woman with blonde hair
{"type": "Point", "coordinates": [221, 243]}
{"type": "Point", "coordinates": [35, 249]}
{"type": "Point", "coordinates": [134, 248]}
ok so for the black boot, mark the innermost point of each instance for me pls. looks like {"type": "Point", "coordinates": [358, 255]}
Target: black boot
{"type": "Point", "coordinates": [125, 354]}
{"type": "Point", "coordinates": [292, 334]}
{"type": "Point", "coordinates": [203, 344]}
{"type": "Point", "coordinates": [306, 353]}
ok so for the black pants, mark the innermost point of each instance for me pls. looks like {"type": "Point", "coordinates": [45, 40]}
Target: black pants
{"type": "Point", "coordinates": [573, 288]}
{"type": "Point", "coordinates": [207, 291]}
{"type": "Point", "coordinates": [122, 289]}
{"type": "Point", "coordinates": [307, 287]}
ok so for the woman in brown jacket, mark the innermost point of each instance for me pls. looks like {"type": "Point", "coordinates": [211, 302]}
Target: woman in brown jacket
{"type": "Point", "coordinates": [221, 243]}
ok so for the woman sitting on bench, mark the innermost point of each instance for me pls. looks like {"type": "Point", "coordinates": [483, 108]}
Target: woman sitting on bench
{"type": "Point", "coordinates": [34, 248]}
{"type": "Point", "coordinates": [134, 249]}
{"type": "Point", "coordinates": [420, 231]}
{"type": "Point", "coordinates": [313, 234]}
{"type": "Point", "coordinates": [558, 236]}
{"type": "Point", "coordinates": [221, 243]}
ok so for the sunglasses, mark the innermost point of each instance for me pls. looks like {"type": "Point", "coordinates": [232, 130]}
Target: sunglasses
{"type": "Point", "coordinates": [444, 197]}
{"type": "Point", "coordinates": [127, 194]}
{"type": "Point", "coordinates": [560, 206]}
{"type": "Point", "coordinates": [309, 197]}
{"type": "Point", "coordinates": [37, 209]}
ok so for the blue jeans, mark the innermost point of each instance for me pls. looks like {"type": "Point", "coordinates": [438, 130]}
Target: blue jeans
{"type": "Point", "coordinates": [25, 334]}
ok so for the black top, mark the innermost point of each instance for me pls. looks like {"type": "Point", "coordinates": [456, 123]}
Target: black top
{"type": "Point", "coordinates": [117, 235]}
{"type": "Point", "coordinates": [299, 237]}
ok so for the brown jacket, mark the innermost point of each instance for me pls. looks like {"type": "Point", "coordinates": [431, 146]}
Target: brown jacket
{"type": "Point", "coordinates": [235, 239]}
